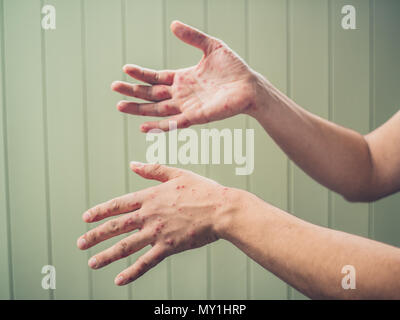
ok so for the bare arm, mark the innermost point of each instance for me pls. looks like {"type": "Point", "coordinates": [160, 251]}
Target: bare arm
{"type": "Point", "coordinates": [187, 211]}
{"type": "Point", "coordinates": [221, 85]}
{"type": "Point", "coordinates": [360, 168]}
{"type": "Point", "coordinates": [310, 258]}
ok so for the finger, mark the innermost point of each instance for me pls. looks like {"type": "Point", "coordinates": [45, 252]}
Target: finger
{"type": "Point", "coordinates": [143, 264]}
{"type": "Point", "coordinates": [193, 37]}
{"type": "Point", "coordinates": [110, 229]}
{"type": "Point", "coordinates": [150, 76]}
{"type": "Point", "coordinates": [155, 171]}
{"type": "Point", "coordinates": [121, 249]}
{"type": "Point", "coordinates": [160, 109]}
{"type": "Point", "coordinates": [150, 93]}
{"type": "Point", "coordinates": [113, 207]}
{"type": "Point", "coordinates": [178, 121]}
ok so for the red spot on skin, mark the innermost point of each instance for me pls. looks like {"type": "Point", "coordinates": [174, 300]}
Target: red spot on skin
{"type": "Point", "coordinates": [178, 187]}
{"type": "Point", "coordinates": [185, 123]}
{"type": "Point", "coordinates": [143, 128]}
{"type": "Point", "coordinates": [180, 209]}
{"type": "Point", "coordinates": [174, 204]}
{"type": "Point", "coordinates": [226, 107]}
{"type": "Point", "coordinates": [128, 222]}
{"type": "Point", "coordinates": [182, 186]}
{"type": "Point", "coordinates": [143, 219]}
{"type": "Point", "coordinates": [169, 242]}
{"type": "Point", "coordinates": [154, 234]}
{"type": "Point", "coordinates": [181, 78]}
{"type": "Point", "coordinates": [204, 81]}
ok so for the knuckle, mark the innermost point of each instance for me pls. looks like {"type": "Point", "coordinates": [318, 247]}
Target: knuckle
{"type": "Point", "coordinates": [91, 236]}
{"type": "Point", "coordinates": [134, 89]}
{"type": "Point", "coordinates": [143, 264]}
{"type": "Point", "coordinates": [157, 167]}
{"type": "Point", "coordinates": [122, 248]}
{"type": "Point", "coordinates": [113, 206]}
{"type": "Point", "coordinates": [112, 226]}
{"type": "Point", "coordinates": [159, 257]}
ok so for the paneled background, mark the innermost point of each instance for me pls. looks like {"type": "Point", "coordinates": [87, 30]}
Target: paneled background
{"type": "Point", "coordinates": [64, 147]}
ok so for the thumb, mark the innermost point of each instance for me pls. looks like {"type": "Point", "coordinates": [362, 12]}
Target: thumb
{"type": "Point", "coordinates": [154, 171]}
{"type": "Point", "coordinates": [193, 36]}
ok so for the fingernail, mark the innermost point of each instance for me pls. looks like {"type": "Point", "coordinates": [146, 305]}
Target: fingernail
{"type": "Point", "coordinates": [82, 243]}
{"type": "Point", "coordinates": [86, 216]}
{"type": "Point", "coordinates": [93, 262]}
{"type": "Point", "coordinates": [119, 280]}
{"type": "Point", "coordinates": [137, 164]}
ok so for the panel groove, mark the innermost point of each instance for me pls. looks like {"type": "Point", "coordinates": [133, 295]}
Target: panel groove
{"type": "Point", "coordinates": [125, 117]}
{"type": "Point", "coordinates": [85, 131]}
{"type": "Point", "coordinates": [330, 94]}
{"type": "Point", "coordinates": [164, 62]}
{"type": "Point", "coordinates": [371, 206]}
{"type": "Point", "coordinates": [246, 58]}
{"type": "Point", "coordinates": [5, 145]}
{"type": "Point", "coordinates": [46, 150]}
{"type": "Point", "coordinates": [289, 93]}
{"type": "Point", "coordinates": [207, 173]}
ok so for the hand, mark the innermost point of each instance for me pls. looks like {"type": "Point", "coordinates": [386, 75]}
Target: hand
{"type": "Point", "coordinates": [186, 211]}
{"type": "Point", "coordinates": [221, 85]}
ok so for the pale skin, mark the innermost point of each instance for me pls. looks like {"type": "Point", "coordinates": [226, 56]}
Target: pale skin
{"type": "Point", "coordinates": [187, 211]}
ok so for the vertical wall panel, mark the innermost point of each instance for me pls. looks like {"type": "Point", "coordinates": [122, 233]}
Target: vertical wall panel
{"type": "Point", "coordinates": [268, 55]}
{"type": "Point", "coordinates": [26, 152]}
{"type": "Point", "coordinates": [5, 275]}
{"type": "Point", "coordinates": [139, 50]}
{"type": "Point", "coordinates": [350, 98]}
{"type": "Point", "coordinates": [226, 20]}
{"type": "Point", "coordinates": [66, 145]}
{"type": "Point", "coordinates": [106, 146]}
{"type": "Point", "coordinates": [386, 103]}
{"type": "Point", "coordinates": [189, 268]}
{"type": "Point", "coordinates": [309, 85]}
{"type": "Point", "coordinates": [59, 126]}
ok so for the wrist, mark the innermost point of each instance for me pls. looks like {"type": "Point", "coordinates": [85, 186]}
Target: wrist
{"type": "Point", "coordinates": [227, 215]}
{"type": "Point", "coordinates": [263, 92]}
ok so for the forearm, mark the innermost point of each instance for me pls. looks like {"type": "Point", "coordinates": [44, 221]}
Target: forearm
{"type": "Point", "coordinates": [308, 257]}
{"type": "Point", "coordinates": [336, 157]}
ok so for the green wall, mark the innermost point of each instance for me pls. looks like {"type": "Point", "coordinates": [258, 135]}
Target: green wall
{"type": "Point", "coordinates": [64, 147]}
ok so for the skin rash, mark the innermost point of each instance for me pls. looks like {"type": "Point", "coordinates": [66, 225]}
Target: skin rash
{"type": "Point", "coordinates": [187, 211]}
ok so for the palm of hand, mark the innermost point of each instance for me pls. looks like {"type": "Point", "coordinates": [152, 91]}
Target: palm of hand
{"type": "Point", "coordinates": [218, 87]}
